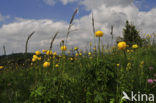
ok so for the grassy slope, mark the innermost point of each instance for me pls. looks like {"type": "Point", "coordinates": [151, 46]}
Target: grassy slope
{"type": "Point", "coordinates": [86, 79]}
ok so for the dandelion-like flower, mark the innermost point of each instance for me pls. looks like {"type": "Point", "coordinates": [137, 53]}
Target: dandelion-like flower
{"type": "Point", "coordinates": [46, 64]}
{"type": "Point", "coordinates": [99, 34]}
{"type": "Point", "coordinates": [1, 67]}
{"type": "Point", "coordinates": [49, 52]}
{"type": "Point", "coordinates": [122, 45]}
{"type": "Point", "coordinates": [37, 52]}
{"type": "Point", "coordinates": [63, 48]}
{"type": "Point", "coordinates": [89, 53]}
{"type": "Point", "coordinates": [117, 65]}
{"type": "Point", "coordinates": [135, 46]}
{"type": "Point", "coordinates": [57, 65]}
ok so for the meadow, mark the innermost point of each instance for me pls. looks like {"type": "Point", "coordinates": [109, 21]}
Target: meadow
{"type": "Point", "coordinates": [77, 78]}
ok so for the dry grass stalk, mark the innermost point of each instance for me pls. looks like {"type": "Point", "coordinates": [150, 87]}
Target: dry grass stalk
{"type": "Point", "coordinates": [26, 46]}
{"type": "Point", "coordinates": [4, 49]}
{"type": "Point", "coordinates": [71, 21]}
{"type": "Point", "coordinates": [52, 41]}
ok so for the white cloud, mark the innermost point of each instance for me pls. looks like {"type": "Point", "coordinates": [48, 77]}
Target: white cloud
{"type": "Point", "coordinates": [3, 18]}
{"type": "Point", "coordinates": [50, 2]}
{"type": "Point", "coordinates": [67, 1]}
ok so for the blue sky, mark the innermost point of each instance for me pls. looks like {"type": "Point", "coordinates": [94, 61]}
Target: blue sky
{"type": "Point", "coordinates": [38, 9]}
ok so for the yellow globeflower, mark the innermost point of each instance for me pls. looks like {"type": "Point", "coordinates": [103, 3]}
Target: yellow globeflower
{"type": "Point", "coordinates": [63, 48]}
{"type": "Point", "coordinates": [57, 65]}
{"type": "Point", "coordinates": [76, 54]}
{"type": "Point", "coordinates": [122, 45]}
{"type": "Point", "coordinates": [80, 54]}
{"type": "Point", "coordinates": [44, 51]}
{"type": "Point", "coordinates": [49, 52]}
{"type": "Point", "coordinates": [1, 67]}
{"type": "Point", "coordinates": [99, 34]}
{"type": "Point", "coordinates": [46, 64]}
{"type": "Point", "coordinates": [39, 58]}
{"type": "Point", "coordinates": [117, 65]}
{"type": "Point", "coordinates": [34, 59]}
{"type": "Point", "coordinates": [135, 46]}
{"type": "Point", "coordinates": [37, 52]}
{"type": "Point", "coordinates": [54, 53]}
{"type": "Point", "coordinates": [71, 59]}
{"type": "Point", "coordinates": [76, 48]}
{"type": "Point", "coordinates": [35, 56]}
{"type": "Point", "coordinates": [89, 53]}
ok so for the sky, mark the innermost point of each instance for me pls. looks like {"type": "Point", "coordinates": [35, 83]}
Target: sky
{"type": "Point", "coordinates": [18, 18]}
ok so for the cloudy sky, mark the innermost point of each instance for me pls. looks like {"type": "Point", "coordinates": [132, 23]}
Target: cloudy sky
{"type": "Point", "coordinates": [18, 18]}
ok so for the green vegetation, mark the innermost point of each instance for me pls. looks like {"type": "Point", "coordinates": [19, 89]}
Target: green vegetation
{"type": "Point", "coordinates": [86, 78]}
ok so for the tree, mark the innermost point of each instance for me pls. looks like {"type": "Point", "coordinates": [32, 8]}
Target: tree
{"type": "Point", "coordinates": [131, 35]}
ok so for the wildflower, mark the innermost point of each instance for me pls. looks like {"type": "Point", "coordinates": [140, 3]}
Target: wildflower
{"type": "Point", "coordinates": [49, 52]}
{"type": "Point", "coordinates": [121, 45]}
{"type": "Point", "coordinates": [34, 59]}
{"type": "Point", "coordinates": [76, 54]}
{"type": "Point", "coordinates": [154, 80]}
{"type": "Point", "coordinates": [80, 54]}
{"type": "Point", "coordinates": [44, 51]}
{"type": "Point", "coordinates": [35, 56]}
{"type": "Point", "coordinates": [94, 49]}
{"type": "Point", "coordinates": [71, 59]}
{"type": "Point", "coordinates": [99, 34]}
{"type": "Point", "coordinates": [89, 53]}
{"type": "Point", "coordinates": [46, 64]}
{"type": "Point", "coordinates": [117, 65]}
{"type": "Point", "coordinates": [76, 48]}
{"type": "Point", "coordinates": [37, 52]}
{"type": "Point", "coordinates": [54, 53]}
{"type": "Point", "coordinates": [63, 48]}
{"type": "Point", "coordinates": [1, 67]}
{"type": "Point", "coordinates": [57, 65]}
{"type": "Point", "coordinates": [39, 58]}
{"type": "Point", "coordinates": [128, 51]}
{"type": "Point", "coordinates": [150, 81]}
{"type": "Point", "coordinates": [135, 46]}
{"type": "Point", "coordinates": [142, 62]}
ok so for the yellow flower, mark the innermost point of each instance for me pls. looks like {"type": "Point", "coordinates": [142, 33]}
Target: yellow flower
{"type": "Point", "coordinates": [63, 48]}
{"type": "Point", "coordinates": [71, 59]}
{"type": "Point", "coordinates": [80, 54]}
{"type": "Point", "coordinates": [142, 62]}
{"type": "Point", "coordinates": [49, 52]}
{"type": "Point", "coordinates": [34, 59]}
{"type": "Point", "coordinates": [56, 65]}
{"type": "Point", "coordinates": [76, 48]}
{"type": "Point", "coordinates": [35, 56]}
{"type": "Point", "coordinates": [37, 52]}
{"type": "Point", "coordinates": [117, 65]}
{"type": "Point", "coordinates": [1, 67]}
{"type": "Point", "coordinates": [128, 51]}
{"type": "Point", "coordinates": [99, 34]}
{"type": "Point", "coordinates": [132, 51]}
{"type": "Point", "coordinates": [44, 51]}
{"type": "Point", "coordinates": [89, 53]}
{"type": "Point", "coordinates": [54, 53]}
{"type": "Point", "coordinates": [94, 48]}
{"type": "Point", "coordinates": [135, 46]}
{"type": "Point", "coordinates": [39, 58]}
{"type": "Point", "coordinates": [122, 45]}
{"type": "Point", "coordinates": [76, 54]}
{"type": "Point", "coordinates": [46, 64]}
